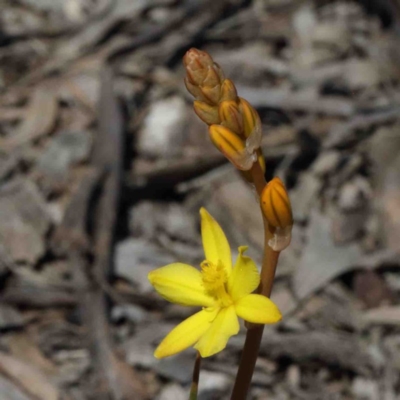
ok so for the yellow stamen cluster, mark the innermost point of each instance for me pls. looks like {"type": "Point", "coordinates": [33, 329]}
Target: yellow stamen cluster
{"type": "Point", "coordinates": [213, 275]}
{"type": "Point", "coordinates": [234, 125]}
{"type": "Point", "coordinates": [214, 279]}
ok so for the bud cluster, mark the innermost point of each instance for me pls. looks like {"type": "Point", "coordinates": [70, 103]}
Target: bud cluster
{"type": "Point", "coordinates": [234, 125]}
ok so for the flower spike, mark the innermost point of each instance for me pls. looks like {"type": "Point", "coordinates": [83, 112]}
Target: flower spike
{"type": "Point", "coordinates": [218, 105]}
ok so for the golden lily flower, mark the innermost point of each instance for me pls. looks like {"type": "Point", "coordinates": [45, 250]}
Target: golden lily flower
{"type": "Point", "coordinates": [225, 293]}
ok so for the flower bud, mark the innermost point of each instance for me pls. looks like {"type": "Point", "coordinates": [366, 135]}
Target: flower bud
{"type": "Point", "coordinates": [251, 125]}
{"type": "Point", "coordinates": [194, 90]}
{"type": "Point", "coordinates": [197, 64]}
{"type": "Point", "coordinates": [211, 94]}
{"type": "Point", "coordinates": [212, 77]}
{"type": "Point", "coordinates": [207, 113]}
{"type": "Point", "coordinates": [231, 116]}
{"type": "Point", "coordinates": [232, 146]}
{"type": "Point", "coordinates": [203, 76]}
{"type": "Point", "coordinates": [275, 204]}
{"type": "Point", "coordinates": [228, 90]}
{"type": "Point", "coordinates": [276, 208]}
{"type": "Point", "coordinates": [250, 117]}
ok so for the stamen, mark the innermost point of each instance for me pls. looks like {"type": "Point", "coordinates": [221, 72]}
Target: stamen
{"type": "Point", "coordinates": [214, 280]}
{"type": "Point", "coordinates": [214, 276]}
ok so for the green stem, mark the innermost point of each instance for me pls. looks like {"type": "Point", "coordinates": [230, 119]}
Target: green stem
{"type": "Point", "coordinates": [195, 378]}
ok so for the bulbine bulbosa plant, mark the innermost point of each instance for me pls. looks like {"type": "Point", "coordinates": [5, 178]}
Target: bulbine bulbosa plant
{"type": "Point", "coordinates": [226, 291]}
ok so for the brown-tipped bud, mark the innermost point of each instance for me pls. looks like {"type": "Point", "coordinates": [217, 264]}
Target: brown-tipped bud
{"type": "Point", "coordinates": [228, 90]}
{"type": "Point", "coordinates": [220, 73]}
{"type": "Point", "coordinates": [193, 90]}
{"type": "Point", "coordinates": [231, 116]}
{"type": "Point", "coordinates": [228, 143]}
{"type": "Point", "coordinates": [251, 118]}
{"type": "Point", "coordinates": [208, 114]}
{"type": "Point", "coordinates": [212, 77]}
{"type": "Point", "coordinates": [275, 205]}
{"type": "Point", "coordinates": [197, 63]}
{"type": "Point", "coordinates": [204, 77]}
{"type": "Point", "coordinates": [211, 94]}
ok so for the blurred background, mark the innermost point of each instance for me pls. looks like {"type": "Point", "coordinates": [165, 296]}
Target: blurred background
{"type": "Point", "coordinates": [104, 166]}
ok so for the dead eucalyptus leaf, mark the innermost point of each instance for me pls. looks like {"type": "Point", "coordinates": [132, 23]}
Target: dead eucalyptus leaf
{"type": "Point", "coordinates": [28, 377]}
{"type": "Point", "coordinates": [322, 260]}
{"type": "Point", "coordinates": [39, 120]}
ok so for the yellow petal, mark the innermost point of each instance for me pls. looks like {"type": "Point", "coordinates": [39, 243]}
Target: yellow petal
{"type": "Point", "coordinates": [244, 277]}
{"type": "Point", "coordinates": [215, 244]}
{"type": "Point", "coordinates": [181, 284]}
{"type": "Point", "coordinates": [258, 309]}
{"type": "Point", "coordinates": [215, 339]}
{"type": "Point", "coordinates": [186, 333]}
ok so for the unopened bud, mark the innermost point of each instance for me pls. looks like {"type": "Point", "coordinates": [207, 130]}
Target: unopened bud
{"type": "Point", "coordinates": [203, 76]}
{"type": "Point", "coordinates": [197, 63]}
{"type": "Point", "coordinates": [193, 90]}
{"type": "Point", "coordinates": [250, 117]}
{"type": "Point", "coordinates": [251, 125]}
{"type": "Point", "coordinates": [231, 116]}
{"type": "Point", "coordinates": [228, 90]}
{"type": "Point", "coordinates": [207, 113]}
{"type": "Point", "coordinates": [275, 204]}
{"type": "Point", "coordinates": [232, 146]}
{"type": "Point", "coordinates": [211, 94]}
{"type": "Point", "coordinates": [212, 77]}
{"type": "Point", "coordinates": [276, 208]}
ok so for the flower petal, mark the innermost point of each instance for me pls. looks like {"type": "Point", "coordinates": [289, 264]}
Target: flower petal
{"type": "Point", "coordinates": [257, 309]}
{"type": "Point", "coordinates": [181, 284]}
{"type": "Point", "coordinates": [215, 244]}
{"type": "Point", "coordinates": [244, 277]}
{"type": "Point", "coordinates": [186, 333]}
{"type": "Point", "coordinates": [223, 327]}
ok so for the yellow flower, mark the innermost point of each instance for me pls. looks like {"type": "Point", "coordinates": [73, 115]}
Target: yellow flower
{"type": "Point", "coordinates": [223, 292]}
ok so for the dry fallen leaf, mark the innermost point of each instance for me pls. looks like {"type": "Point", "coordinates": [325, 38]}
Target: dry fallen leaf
{"type": "Point", "coordinates": [39, 120]}
{"type": "Point", "coordinates": [322, 260]}
{"type": "Point", "coordinates": [28, 377]}
{"type": "Point", "coordinates": [386, 315]}
{"type": "Point", "coordinates": [25, 349]}
{"type": "Point", "coordinates": [390, 203]}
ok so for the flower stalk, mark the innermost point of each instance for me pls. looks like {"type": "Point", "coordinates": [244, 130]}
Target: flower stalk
{"type": "Point", "coordinates": [235, 129]}
{"type": "Point", "coordinates": [255, 332]}
{"type": "Point", "coordinates": [223, 290]}
{"type": "Point", "coordinates": [195, 378]}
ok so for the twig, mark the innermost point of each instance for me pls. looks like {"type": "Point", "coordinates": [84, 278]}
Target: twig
{"type": "Point", "coordinates": [121, 380]}
{"type": "Point", "coordinates": [97, 200]}
{"type": "Point", "coordinates": [345, 132]}
{"type": "Point", "coordinates": [297, 101]}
